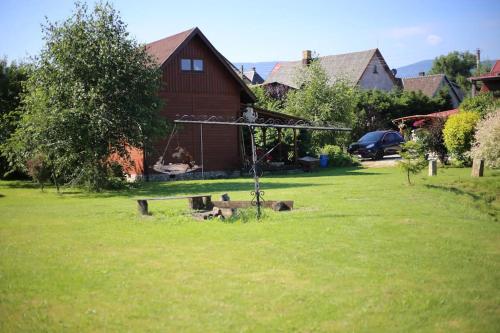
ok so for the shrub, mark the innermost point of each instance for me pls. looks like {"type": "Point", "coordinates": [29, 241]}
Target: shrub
{"type": "Point", "coordinates": [458, 134]}
{"type": "Point", "coordinates": [432, 138]}
{"type": "Point", "coordinates": [487, 140]}
{"type": "Point", "coordinates": [413, 154]}
{"type": "Point", "coordinates": [337, 157]}
{"type": "Point", "coordinates": [481, 104]}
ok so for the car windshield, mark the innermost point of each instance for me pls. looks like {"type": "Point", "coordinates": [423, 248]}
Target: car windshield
{"type": "Point", "coordinates": [371, 137]}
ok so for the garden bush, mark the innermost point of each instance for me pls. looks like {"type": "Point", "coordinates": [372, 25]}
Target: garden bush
{"type": "Point", "coordinates": [487, 140]}
{"type": "Point", "coordinates": [458, 135]}
{"type": "Point", "coordinates": [337, 157]}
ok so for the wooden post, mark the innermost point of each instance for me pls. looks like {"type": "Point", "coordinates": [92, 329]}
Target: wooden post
{"type": "Point", "coordinates": [295, 148]}
{"type": "Point", "coordinates": [142, 206]}
{"type": "Point", "coordinates": [279, 147]}
{"type": "Point", "coordinates": [477, 168]}
{"type": "Point", "coordinates": [432, 168]}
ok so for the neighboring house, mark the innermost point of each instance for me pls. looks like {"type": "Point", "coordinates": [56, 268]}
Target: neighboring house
{"type": "Point", "coordinates": [253, 76]}
{"type": "Point", "coordinates": [490, 82]}
{"type": "Point", "coordinates": [431, 85]}
{"type": "Point", "coordinates": [250, 77]}
{"type": "Point", "coordinates": [366, 69]}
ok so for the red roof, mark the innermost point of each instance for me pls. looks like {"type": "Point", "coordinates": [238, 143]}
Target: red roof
{"type": "Point", "coordinates": [442, 114]}
{"type": "Point", "coordinates": [493, 74]}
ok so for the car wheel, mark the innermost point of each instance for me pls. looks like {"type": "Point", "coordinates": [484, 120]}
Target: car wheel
{"type": "Point", "coordinates": [379, 155]}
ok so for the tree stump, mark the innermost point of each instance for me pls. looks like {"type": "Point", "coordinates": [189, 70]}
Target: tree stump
{"type": "Point", "coordinates": [224, 197]}
{"type": "Point", "coordinates": [201, 203]}
{"type": "Point", "coordinates": [142, 206]}
{"type": "Point", "coordinates": [477, 168]}
{"type": "Point", "coordinates": [432, 167]}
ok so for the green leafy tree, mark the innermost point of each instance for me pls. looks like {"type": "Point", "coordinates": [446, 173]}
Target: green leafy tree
{"type": "Point", "coordinates": [12, 78]}
{"type": "Point", "coordinates": [93, 94]}
{"type": "Point", "coordinates": [457, 66]}
{"type": "Point", "coordinates": [482, 104]}
{"type": "Point", "coordinates": [319, 100]}
{"type": "Point", "coordinates": [458, 134]}
{"type": "Point", "coordinates": [413, 159]}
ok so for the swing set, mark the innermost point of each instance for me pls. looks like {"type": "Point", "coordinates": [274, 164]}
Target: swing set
{"type": "Point", "coordinates": [251, 121]}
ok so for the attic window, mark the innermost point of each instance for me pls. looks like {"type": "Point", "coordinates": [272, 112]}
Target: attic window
{"type": "Point", "coordinates": [375, 69]}
{"type": "Point", "coordinates": [186, 64]}
{"type": "Point", "coordinates": [197, 65]}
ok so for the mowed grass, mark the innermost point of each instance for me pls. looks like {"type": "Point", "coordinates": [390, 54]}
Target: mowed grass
{"type": "Point", "coordinates": [362, 251]}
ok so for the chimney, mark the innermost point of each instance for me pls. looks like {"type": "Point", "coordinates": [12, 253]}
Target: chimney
{"type": "Point", "coordinates": [478, 61]}
{"type": "Point", "coordinates": [421, 73]}
{"type": "Point", "coordinates": [253, 69]}
{"type": "Point", "coordinates": [306, 57]}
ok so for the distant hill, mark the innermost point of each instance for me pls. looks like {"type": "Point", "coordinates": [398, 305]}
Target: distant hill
{"type": "Point", "coordinates": [425, 66]}
{"type": "Point", "coordinates": [414, 69]}
{"type": "Point", "coordinates": [263, 68]}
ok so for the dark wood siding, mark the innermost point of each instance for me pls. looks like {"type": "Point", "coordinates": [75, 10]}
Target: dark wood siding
{"type": "Point", "coordinates": [211, 92]}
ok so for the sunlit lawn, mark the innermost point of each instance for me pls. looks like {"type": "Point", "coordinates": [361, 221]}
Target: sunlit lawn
{"type": "Point", "coordinates": [362, 251]}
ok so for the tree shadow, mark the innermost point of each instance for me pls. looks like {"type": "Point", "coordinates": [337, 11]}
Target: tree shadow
{"type": "Point", "coordinates": [194, 187]}
{"type": "Point", "coordinates": [21, 185]}
{"type": "Point", "coordinates": [454, 190]}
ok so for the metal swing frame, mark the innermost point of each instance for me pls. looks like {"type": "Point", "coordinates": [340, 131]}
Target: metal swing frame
{"type": "Point", "coordinates": [257, 193]}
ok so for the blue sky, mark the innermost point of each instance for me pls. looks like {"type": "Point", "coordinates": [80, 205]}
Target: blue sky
{"type": "Point", "coordinates": [250, 31]}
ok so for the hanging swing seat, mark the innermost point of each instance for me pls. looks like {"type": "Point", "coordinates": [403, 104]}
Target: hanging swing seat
{"type": "Point", "coordinates": [174, 168]}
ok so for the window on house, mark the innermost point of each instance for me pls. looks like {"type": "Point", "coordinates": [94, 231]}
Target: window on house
{"type": "Point", "coordinates": [186, 64]}
{"type": "Point", "coordinates": [375, 69]}
{"type": "Point", "coordinates": [197, 65]}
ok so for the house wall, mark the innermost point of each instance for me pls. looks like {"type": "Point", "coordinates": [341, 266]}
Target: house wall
{"type": "Point", "coordinates": [380, 80]}
{"type": "Point", "coordinates": [211, 92]}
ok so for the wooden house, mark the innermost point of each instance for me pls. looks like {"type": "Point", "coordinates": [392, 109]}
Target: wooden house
{"type": "Point", "coordinates": [199, 81]}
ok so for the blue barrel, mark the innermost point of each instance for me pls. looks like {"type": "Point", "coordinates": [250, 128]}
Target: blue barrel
{"type": "Point", "coordinates": [323, 160]}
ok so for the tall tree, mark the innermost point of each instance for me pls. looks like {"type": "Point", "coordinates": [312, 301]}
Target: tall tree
{"type": "Point", "coordinates": [321, 101]}
{"type": "Point", "coordinates": [93, 94]}
{"type": "Point", "coordinates": [457, 66]}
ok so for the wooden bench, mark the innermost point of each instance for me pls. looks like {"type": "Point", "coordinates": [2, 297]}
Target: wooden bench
{"type": "Point", "coordinates": [273, 204]}
{"type": "Point", "coordinates": [196, 202]}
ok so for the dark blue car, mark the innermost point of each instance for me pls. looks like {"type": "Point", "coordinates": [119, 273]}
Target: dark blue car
{"type": "Point", "coordinates": [377, 144]}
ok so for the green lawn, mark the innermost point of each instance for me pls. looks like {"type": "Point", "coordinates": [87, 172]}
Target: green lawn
{"type": "Point", "coordinates": [362, 251]}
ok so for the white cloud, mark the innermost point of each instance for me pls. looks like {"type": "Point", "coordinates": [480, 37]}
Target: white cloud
{"type": "Point", "coordinates": [403, 32]}
{"type": "Point", "coordinates": [434, 39]}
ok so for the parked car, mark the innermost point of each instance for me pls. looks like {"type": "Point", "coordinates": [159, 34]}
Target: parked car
{"type": "Point", "coordinates": [377, 144]}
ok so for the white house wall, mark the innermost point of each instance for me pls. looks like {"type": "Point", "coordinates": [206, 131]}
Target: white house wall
{"type": "Point", "coordinates": [380, 80]}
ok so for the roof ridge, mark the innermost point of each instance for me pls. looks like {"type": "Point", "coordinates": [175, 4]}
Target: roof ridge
{"type": "Point", "coordinates": [171, 36]}
{"type": "Point", "coordinates": [422, 77]}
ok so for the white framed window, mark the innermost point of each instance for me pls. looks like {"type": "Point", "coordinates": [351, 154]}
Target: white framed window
{"type": "Point", "coordinates": [198, 65]}
{"type": "Point", "coordinates": [186, 64]}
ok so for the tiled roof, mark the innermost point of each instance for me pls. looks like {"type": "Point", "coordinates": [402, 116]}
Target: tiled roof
{"type": "Point", "coordinates": [349, 66]}
{"type": "Point", "coordinates": [162, 49]}
{"type": "Point", "coordinates": [428, 84]}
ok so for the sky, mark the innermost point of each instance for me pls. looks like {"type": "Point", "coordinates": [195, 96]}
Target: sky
{"type": "Point", "coordinates": [253, 31]}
